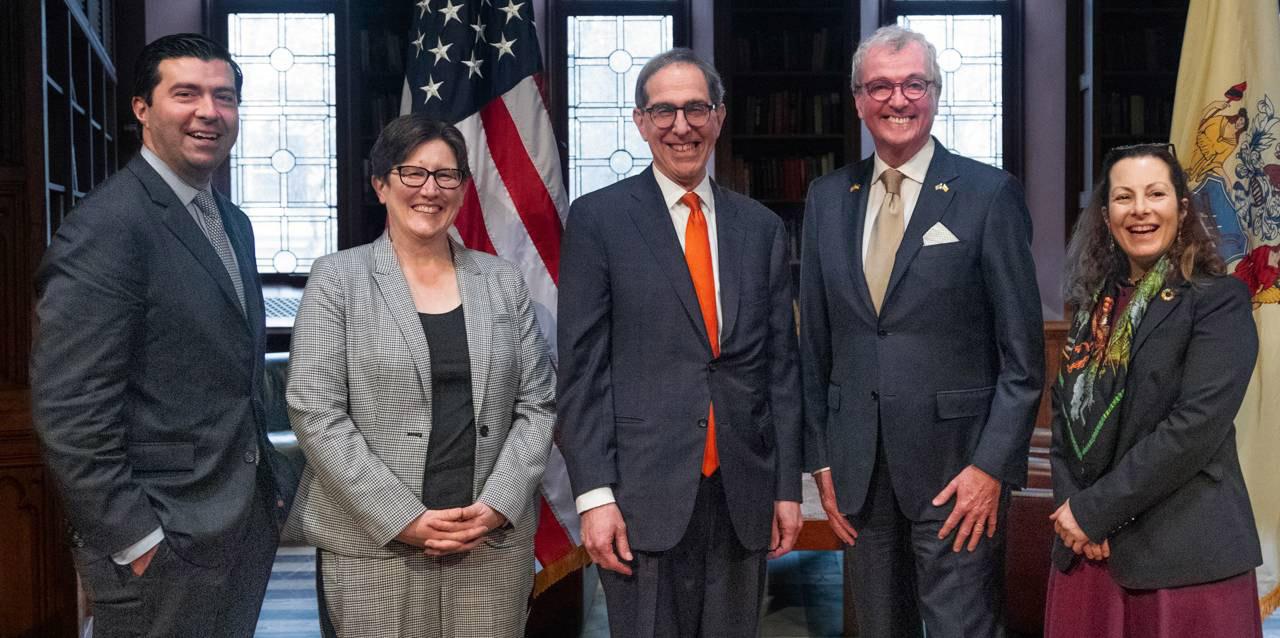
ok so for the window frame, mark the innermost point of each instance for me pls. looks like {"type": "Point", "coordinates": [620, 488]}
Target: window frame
{"type": "Point", "coordinates": [557, 48]}
{"type": "Point", "coordinates": [216, 17]}
{"type": "Point", "coordinates": [1011, 17]}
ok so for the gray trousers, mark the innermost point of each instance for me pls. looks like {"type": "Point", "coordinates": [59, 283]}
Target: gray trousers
{"type": "Point", "coordinates": [905, 579]}
{"type": "Point", "coordinates": [707, 585]}
{"type": "Point", "coordinates": [177, 598]}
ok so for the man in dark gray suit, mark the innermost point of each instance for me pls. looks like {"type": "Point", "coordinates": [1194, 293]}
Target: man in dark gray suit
{"type": "Point", "coordinates": [147, 370]}
{"type": "Point", "coordinates": [922, 356]}
{"type": "Point", "coordinates": [679, 412]}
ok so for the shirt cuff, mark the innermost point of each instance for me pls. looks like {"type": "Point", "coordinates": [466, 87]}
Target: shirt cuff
{"type": "Point", "coordinates": [592, 499]}
{"type": "Point", "coordinates": [820, 471]}
{"type": "Point", "coordinates": [132, 552]}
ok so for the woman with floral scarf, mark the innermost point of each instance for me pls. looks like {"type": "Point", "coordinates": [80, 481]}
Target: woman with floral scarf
{"type": "Point", "coordinates": [1156, 536]}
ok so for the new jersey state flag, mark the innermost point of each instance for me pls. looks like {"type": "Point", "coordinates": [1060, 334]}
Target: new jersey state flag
{"type": "Point", "coordinates": [1227, 134]}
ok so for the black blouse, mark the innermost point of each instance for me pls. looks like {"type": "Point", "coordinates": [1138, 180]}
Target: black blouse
{"type": "Point", "coordinates": [451, 452]}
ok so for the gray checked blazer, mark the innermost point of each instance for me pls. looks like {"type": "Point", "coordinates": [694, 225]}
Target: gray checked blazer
{"type": "Point", "coordinates": [359, 397]}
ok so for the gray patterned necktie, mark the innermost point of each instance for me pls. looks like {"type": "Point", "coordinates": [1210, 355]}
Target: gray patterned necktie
{"type": "Point", "coordinates": [217, 235]}
{"type": "Point", "coordinates": [885, 237]}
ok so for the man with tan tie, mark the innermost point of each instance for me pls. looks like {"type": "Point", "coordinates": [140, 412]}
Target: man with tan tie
{"type": "Point", "coordinates": [679, 402]}
{"type": "Point", "coordinates": [922, 356]}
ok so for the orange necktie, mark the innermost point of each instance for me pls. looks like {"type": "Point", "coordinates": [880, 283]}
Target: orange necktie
{"type": "Point", "coordinates": [697, 252]}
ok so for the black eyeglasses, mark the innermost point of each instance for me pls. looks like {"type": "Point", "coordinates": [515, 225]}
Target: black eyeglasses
{"type": "Point", "coordinates": [695, 113]}
{"type": "Point", "coordinates": [882, 90]}
{"type": "Point", "coordinates": [416, 176]}
{"type": "Point", "coordinates": [1137, 149]}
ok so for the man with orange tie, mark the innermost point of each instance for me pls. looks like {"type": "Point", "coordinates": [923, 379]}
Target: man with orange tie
{"type": "Point", "coordinates": [679, 406]}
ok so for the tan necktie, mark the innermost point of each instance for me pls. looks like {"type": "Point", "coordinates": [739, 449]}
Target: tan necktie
{"type": "Point", "coordinates": [885, 237]}
{"type": "Point", "coordinates": [697, 253]}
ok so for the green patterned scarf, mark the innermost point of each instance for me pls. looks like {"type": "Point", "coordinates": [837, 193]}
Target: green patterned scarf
{"type": "Point", "coordinates": [1095, 362]}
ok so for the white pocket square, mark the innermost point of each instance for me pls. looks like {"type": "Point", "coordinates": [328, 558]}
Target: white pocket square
{"type": "Point", "coordinates": [939, 234]}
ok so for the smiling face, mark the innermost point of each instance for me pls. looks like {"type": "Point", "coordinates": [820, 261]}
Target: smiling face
{"type": "Point", "coordinates": [1143, 211]}
{"type": "Point", "coordinates": [680, 151]}
{"type": "Point", "coordinates": [421, 215]}
{"type": "Point", "coordinates": [900, 127]}
{"type": "Point", "coordinates": [193, 117]}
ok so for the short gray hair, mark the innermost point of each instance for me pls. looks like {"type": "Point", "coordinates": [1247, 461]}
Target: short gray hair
{"type": "Point", "coordinates": [896, 38]}
{"type": "Point", "coordinates": [679, 55]}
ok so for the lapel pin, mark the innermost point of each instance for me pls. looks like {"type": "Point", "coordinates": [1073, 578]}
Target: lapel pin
{"type": "Point", "coordinates": [855, 188]}
{"type": "Point", "coordinates": [1166, 294]}
{"type": "Point", "coordinates": [941, 187]}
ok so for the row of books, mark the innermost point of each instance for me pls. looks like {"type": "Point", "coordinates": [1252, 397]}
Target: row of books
{"type": "Point", "coordinates": [381, 52]}
{"type": "Point", "coordinates": [789, 50]}
{"type": "Point", "coordinates": [1137, 114]}
{"type": "Point", "coordinates": [1131, 50]}
{"type": "Point", "coordinates": [783, 112]}
{"type": "Point", "coordinates": [779, 178]}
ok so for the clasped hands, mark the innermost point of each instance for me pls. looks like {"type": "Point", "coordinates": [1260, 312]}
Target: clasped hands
{"type": "Point", "coordinates": [976, 511]}
{"type": "Point", "coordinates": [1065, 525]}
{"type": "Point", "coordinates": [451, 531]}
{"type": "Point", "coordinates": [604, 534]}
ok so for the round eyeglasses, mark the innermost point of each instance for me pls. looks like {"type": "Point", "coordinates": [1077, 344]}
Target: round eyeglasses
{"type": "Point", "coordinates": [882, 90]}
{"type": "Point", "coordinates": [695, 113]}
{"type": "Point", "coordinates": [416, 176]}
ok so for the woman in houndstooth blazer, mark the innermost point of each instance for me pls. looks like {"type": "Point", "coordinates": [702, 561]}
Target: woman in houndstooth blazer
{"type": "Point", "coordinates": [421, 391]}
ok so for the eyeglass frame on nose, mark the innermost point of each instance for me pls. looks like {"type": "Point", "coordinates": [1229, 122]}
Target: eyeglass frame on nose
{"type": "Point", "coordinates": [894, 87]}
{"type": "Point", "coordinates": [429, 175]}
{"type": "Point", "coordinates": [664, 109]}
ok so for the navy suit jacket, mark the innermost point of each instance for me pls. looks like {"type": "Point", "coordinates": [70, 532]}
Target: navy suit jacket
{"type": "Point", "coordinates": [950, 372]}
{"type": "Point", "coordinates": [147, 379]}
{"type": "Point", "coordinates": [1173, 502]}
{"type": "Point", "coordinates": [636, 371]}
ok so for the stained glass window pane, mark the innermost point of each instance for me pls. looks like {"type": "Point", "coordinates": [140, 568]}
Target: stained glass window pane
{"type": "Point", "coordinates": [284, 169]}
{"type": "Point", "coordinates": [605, 56]}
{"type": "Point", "coordinates": [970, 117]}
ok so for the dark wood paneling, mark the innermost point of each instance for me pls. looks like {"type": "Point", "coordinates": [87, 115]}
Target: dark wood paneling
{"type": "Point", "coordinates": [15, 279]}
{"type": "Point", "coordinates": [37, 580]}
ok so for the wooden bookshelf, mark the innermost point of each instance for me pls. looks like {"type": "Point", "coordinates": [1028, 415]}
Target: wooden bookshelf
{"type": "Point", "coordinates": [790, 115]}
{"type": "Point", "coordinates": [375, 37]}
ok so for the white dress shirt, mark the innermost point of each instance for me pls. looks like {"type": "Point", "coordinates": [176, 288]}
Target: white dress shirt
{"type": "Point", "coordinates": [671, 194]}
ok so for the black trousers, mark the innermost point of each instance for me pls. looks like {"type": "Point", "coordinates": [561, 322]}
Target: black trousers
{"type": "Point", "coordinates": [707, 585]}
{"type": "Point", "coordinates": [178, 598]}
{"type": "Point", "coordinates": [907, 581]}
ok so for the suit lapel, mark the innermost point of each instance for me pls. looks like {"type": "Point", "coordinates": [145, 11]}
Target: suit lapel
{"type": "Point", "coordinates": [649, 214]}
{"type": "Point", "coordinates": [478, 313]}
{"type": "Point", "coordinates": [929, 209]}
{"type": "Point", "coordinates": [1157, 311]}
{"type": "Point", "coordinates": [728, 239]}
{"type": "Point", "coordinates": [853, 221]}
{"type": "Point", "coordinates": [239, 235]}
{"type": "Point", "coordinates": [178, 220]}
{"type": "Point", "coordinates": [399, 302]}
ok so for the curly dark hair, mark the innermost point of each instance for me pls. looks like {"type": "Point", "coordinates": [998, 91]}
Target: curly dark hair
{"type": "Point", "coordinates": [1093, 256]}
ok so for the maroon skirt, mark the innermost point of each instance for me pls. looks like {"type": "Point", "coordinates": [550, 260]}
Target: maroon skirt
{"type": "Point", "coordinates": [1085, 601]}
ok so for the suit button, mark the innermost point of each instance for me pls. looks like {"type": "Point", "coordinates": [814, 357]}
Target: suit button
{"type": "Point", "coordinates": [875, 396]}
{"type": "Point", "coordinates": [702, 423]}
{"type": "Point", "coordinates": [484, 430]}
{"type": "Point", "coordinates": [251, 456]}
{"type": "Point", "coordinates": [711, 367]}
{"type": "Point", "coordinates": [882, 333]}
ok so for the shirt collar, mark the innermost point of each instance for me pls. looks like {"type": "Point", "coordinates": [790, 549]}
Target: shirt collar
{"type": "Point", "coordinates": [914, 169]}
{"type": "Point", "coordinates": [185, 192]}
{"type": "Point", "coordinates": [672, 192]}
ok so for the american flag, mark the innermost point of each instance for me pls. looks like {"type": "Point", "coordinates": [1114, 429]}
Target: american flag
{"type": "Point", "coordinates": [476, 63]}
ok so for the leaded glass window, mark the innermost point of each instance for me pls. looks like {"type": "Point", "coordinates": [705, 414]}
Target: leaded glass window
{"type": "Point", "coordinates": [970, 117]}
{"type": "Point", "coordinates": [284, 165]}
{"type": "Point", "coordinates": [605, 54]}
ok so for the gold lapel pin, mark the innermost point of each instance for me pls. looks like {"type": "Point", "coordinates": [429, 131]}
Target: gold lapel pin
{"type": "Point", "coordinates": [941, 187]}
{"type": "Point", "coordinates": [1166, 294]}
{"type": "Point", "coordinates": [855, 188]}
